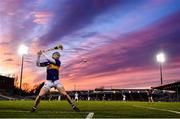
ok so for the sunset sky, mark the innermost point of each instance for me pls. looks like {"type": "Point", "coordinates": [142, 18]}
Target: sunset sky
{"type": "Point", "coordinates": [118, 38]}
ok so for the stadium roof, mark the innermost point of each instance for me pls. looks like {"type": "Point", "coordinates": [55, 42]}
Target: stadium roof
{"type": "Point", "coordinates": [169, 85]}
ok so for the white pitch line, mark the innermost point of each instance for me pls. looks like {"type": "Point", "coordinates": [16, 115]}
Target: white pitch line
{"type": "Point", "coordinates": [90, 115]}
{"type": "Point", "coordinates": [39, 111]}
{"type": "Point", "coordinates": [166, 110]}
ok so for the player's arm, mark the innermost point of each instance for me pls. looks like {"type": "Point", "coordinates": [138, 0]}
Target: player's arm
{"type": "Point", "coordinates": [38, 59]}
{"type": "Point", "coordinates": [49, 58]}
{"type": "Point", "coordinates": [39, 63]}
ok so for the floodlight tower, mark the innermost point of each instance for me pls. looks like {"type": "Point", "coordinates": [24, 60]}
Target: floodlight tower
{"type": "Point", "coordinates": [23, 50]}
{"type": "Point", "coordinates": [161, 59]}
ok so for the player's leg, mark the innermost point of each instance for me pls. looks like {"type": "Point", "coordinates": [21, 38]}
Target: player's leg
{"type": "Point", "coordinates": [152, 99]}
{"type": "Point", "coordinates": [149, 100]}
{"type": "Point", "coordinates": [41, 94]}
{"type": "Point", "coordinates": [50, 97]}
{"type": "Point", "coordinates": [45, 89]}
{"type": "Point", "coordinates": [38, 99]}
{"type": "Point", "coordinates": [63, 92]}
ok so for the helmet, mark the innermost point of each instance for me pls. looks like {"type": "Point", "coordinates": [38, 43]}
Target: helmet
{"type": "Point", "coordinates": [56, 53]}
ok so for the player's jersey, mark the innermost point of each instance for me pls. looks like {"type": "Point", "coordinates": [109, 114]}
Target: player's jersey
{"type": "Point", "coordinates": [52, 69]}
{"type": "Point", "coordinates": [76, 95]}
{"type": "Point", "coordinates": [150, 93]}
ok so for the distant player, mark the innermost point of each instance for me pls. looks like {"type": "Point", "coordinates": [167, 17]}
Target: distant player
{"type": "Point", "coordinates": [89, 98]}
{"type": "Point", "coordinates": [59, 97]}
{"type": "Point", "coordinates": [124, 97]}
{"type": "Point", "coordinates": [50, 97]}
{"type": "Point", "coordinates": [53, 64]}
{"type": "Point", "coordinates": [76, 96]}
{"type": "Point", "coordinates": [103, 97]}
{"type": "Point", "coordinates": [150, 94]}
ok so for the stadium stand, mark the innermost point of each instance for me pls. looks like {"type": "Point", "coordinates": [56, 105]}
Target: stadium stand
{"type": "Point", "coordinates": [171, 91]}
{"type": "Point", "coordinates": [6, 84]}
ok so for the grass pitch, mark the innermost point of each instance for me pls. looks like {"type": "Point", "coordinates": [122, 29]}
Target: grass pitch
{"type": "Point", "coordinates": [101, 109]}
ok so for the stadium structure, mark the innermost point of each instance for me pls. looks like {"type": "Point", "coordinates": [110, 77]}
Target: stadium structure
{"type": "Point", "coordinates": [171, 91]}
{"type": "Point", "coordinates": [167, 92]}
{"type": "Point", "coordinates": [7, 83]}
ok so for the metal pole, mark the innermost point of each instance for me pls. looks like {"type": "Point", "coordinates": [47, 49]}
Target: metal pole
{"type": "Point", "coordinates": [161, 73]}
{"type": "Point", "coordinates": [75, 87]}
{"type": "Point", "coordinates": [21, 71]}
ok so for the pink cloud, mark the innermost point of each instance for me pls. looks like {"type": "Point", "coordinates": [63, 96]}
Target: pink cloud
{"type": "Point", "coordinates": [42, 17]}
{"type": "Point", "coordinates": [131, 56]}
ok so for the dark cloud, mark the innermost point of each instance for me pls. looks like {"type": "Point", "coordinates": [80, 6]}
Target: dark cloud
{"type": "Point", "coordinates": [8, 53]}
{"type": "Point", "coordinates": [29, 61]}
{"type": "Point", "coordinates": [89, 34]}
{"type": "Point", "coordinates": [8, 60]}
{"type": "Point", "coordinates": [4, 43]}
{"type": "Point", "coordinates": [142, 48]}
{"type": "Point", "coordinates": [135, 51]}
{"type": "Point", "coordinates": [76, 14]}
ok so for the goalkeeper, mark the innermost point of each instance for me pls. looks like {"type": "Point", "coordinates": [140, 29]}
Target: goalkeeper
{"type": "Point", "coordinates": [53, 64]}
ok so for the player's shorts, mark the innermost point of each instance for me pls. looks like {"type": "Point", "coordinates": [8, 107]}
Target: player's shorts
{"type": "Point", "coordinates": [50, 84]}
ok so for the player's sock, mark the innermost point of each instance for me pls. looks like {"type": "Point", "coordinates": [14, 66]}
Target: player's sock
{"type": "Point", "coordinates": [33, 109]}
{"type": "Point", "coordinates": [75, 108]}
